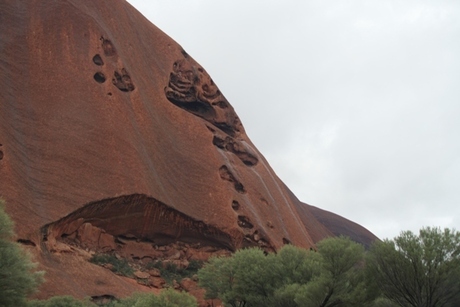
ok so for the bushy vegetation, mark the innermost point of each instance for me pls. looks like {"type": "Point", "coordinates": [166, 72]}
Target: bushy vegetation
{"type": "Point", "coordinates": [17, 276]}
{"type": "Point", "coordinates": [332, 276]}
{"type": "Point", "coordinates": [411, 270]}
{"type": "Point", "coordinates": [60, 301]}
{"type": "Point", "coordinates": [418, 270]}
{"type": "Point", "coordinates": [118, 266]}
{"type": "Point", "coordinates": [170, 271]}
{"type": "Point", "coordinates": [167, 298]}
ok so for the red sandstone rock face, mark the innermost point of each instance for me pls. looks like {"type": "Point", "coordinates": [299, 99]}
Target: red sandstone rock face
{"type": "Point", "coordinates": [109, 129]}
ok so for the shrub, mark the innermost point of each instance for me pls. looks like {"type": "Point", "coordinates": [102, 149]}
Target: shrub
{"type": "Point", "coordinates": [171, 271]}
{"type": "Point", "coordinates": [119, 266]}
{"type": "Point", "coordinates": [60, 301]}
{"type": "Point", "coordinates": [167, 298]}
{"type": "Point", "coordinates": [17, 279]}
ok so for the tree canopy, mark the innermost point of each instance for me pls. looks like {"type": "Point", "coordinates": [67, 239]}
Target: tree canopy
{"type": "Point", "coordinates": [418, 270]}
{"type": "Point", "coordinates": [292, 277]}
{"type": "Point", "coordinates": [17, 279]}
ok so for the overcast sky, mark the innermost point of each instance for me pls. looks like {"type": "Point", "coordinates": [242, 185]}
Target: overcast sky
{"type": "Point", "coordinates": [355, 104]}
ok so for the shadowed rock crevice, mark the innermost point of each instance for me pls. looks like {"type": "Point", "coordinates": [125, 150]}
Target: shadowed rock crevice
{"type": "Point", "coordinates": [26, 242]}
{"type": "Point", "coordinates": [286, 241]}
{"type": "Point", "coordinates": [136, 216]}
{"type": "Point", "coordinates": [227, 175]}
{"type": "Point", "coordinates": [241, 150]}
{"type": "Point", "coordinates": [244, 222]}
{"type": "Point", "coordinates": [258, 239]}
{"type": "Point", "coordinates": [104, 299]}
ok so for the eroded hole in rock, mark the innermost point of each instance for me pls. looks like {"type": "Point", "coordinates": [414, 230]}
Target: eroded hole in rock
{"type": "Point", "coordinates": [221, 104]}
{"type": "Point", "coordinates": [99, 77]}
{"type": "Point", "coordinates": [270, 224]}
{"type": "Point", "coordinates": [225, 174]}
{"type": "Point", "coordinates": [26, 242]}
{"type": "Point", "coordinates": [122, 80]}
{"type": "Point", "coordinates": [98, 60]}
{"type": "Point", "coordinates": [286, 241]}
{"type": "Point", "coordinates": [192, 89]}
{"type": "Point", "coordinates": [219, 142]}
{"type": "Point", "coordinates": [244, 222]}
{"type": "Point", "coordinates": [102, 300]}
{"type": "Point", "coordinates": [226, 128]}
{"type": "Point", "coordinates": [235, 205]}
{"type": "Point", "coordinates": [239, 187]}
{"type": "Point", "coordinates": [108, 47]}
{"type": "Point", "coordinates": [237, 148]}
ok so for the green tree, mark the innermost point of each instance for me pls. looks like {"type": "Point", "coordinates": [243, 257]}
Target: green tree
{"type": "Point", "coordinates": [245, 279]}
{"type": "Point", "coordinates": [418, 270]}
{"type": "Point", "coordinates": [340, 279]}
{"type": "Point", "coordinates": [217, 277]}
{"type": "Point", "coordinates": [17, 279]}
{"type": "Point", "coordinates": [295, 267]}
{"type": "Point", "coordinates": [333, 276]}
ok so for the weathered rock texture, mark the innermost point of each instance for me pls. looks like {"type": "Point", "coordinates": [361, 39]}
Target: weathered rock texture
{"type": "Point", "coordinates": [110, 130]}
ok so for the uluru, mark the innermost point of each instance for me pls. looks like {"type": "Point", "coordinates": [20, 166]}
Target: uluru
{"type": "Point", "coordinates": [113, 139]}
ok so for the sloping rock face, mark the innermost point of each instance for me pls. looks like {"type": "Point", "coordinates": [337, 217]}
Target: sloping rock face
{"type": "Point", "coordinates": [110, 131]}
